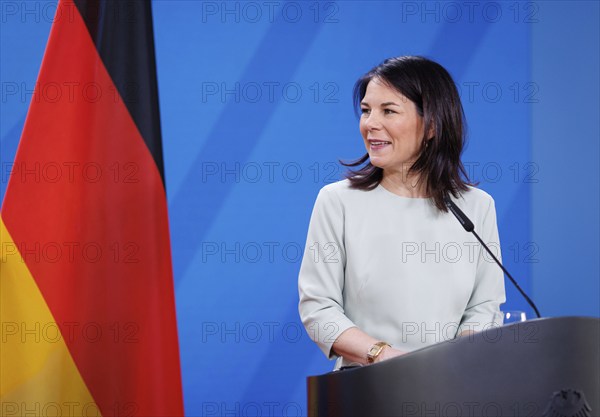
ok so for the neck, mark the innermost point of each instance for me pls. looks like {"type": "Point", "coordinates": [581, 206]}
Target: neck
{"type": "Point", "coordinates": [404, 184]}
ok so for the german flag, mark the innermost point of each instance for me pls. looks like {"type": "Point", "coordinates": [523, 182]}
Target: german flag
{"type": "Point", "coordinates": [87, 306]}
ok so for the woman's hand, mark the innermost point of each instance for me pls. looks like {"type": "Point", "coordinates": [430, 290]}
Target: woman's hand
{"type": "Point", "coordinates": [354, 344]}
{"type": "Point", "coordinates": [388, 353]}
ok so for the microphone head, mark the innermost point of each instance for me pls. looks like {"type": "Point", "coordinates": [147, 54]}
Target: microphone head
{"type": "Point", "coordinates": [462, 218]}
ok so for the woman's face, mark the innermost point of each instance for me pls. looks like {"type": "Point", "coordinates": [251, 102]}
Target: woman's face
{"type": "Point", "coordinates": [391, 128]}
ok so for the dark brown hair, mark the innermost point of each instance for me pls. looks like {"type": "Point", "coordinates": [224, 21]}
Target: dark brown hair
{"type": "Point", "coordinates": [431, 88]}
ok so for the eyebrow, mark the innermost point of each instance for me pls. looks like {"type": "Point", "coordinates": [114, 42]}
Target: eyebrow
{"type": "Point", "coordinates": [387, 103]}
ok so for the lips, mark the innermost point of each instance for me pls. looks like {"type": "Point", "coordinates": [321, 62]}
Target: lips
{"type": "Point", "coordinates": [377, 144]}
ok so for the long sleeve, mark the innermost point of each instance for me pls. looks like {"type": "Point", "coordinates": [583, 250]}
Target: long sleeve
{"type": "Point", "coordinates": [397, 268]}
{"type": "Point", "coordinates": [321, 278]}
{"type": "Point", "coordinates": [483, 308]}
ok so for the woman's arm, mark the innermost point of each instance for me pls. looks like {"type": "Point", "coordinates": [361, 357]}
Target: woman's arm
{"type": "Point", "coordinates": [322, 273]}
{"type": "Point", "coordinates": [353, 344]}
{"type": "Point", "coordinates": [483, 308]}
{"type": "Point", "coordinates": [321, 281]}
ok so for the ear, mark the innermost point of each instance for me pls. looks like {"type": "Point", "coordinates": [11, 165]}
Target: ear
{"type": "Point", "coordinates": [431, 132]}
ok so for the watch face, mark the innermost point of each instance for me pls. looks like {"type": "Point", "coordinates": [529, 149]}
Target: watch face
{"type": "Point", "coordinates": [375, 350]}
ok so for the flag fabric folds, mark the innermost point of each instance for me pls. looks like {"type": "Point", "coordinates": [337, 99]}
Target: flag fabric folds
{"type": "Point", "coordinates": [87, 305]}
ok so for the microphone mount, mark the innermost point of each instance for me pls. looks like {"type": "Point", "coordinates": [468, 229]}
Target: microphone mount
{"type": "Point", "coordinates": [467, 224]}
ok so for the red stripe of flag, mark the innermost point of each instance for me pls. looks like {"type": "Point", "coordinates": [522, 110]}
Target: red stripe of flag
{"type": "Point", "coordinates": [87, 208]}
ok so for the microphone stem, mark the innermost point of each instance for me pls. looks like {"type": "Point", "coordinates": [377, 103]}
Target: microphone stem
{"type": "Point", "coordinates": [508, 274]}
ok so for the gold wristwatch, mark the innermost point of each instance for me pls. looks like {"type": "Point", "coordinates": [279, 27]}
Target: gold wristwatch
{"type": "Point", "coordinates": [375, 351]}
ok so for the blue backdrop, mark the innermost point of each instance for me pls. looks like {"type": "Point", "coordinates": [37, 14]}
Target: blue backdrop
{"type": "Point", "coordinates": [256, 111]}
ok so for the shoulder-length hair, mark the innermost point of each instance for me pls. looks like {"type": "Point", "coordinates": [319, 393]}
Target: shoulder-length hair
{"type": "Point", "coordinates": [431, 88]}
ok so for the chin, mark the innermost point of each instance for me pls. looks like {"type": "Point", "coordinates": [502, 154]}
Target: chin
{"type": "Point", "coordinates": [377, 162]}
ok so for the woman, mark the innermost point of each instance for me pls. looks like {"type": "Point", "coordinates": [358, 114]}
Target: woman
{"type": "Point", "coordinates": [387, 269]}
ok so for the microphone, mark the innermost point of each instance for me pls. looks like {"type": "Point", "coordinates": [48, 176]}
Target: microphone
{"type": "Point", "coordinates": [467, 224]}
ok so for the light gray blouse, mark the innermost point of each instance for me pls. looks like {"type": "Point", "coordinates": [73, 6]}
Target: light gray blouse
{"type": "Point", "coordinates": [398, 268]}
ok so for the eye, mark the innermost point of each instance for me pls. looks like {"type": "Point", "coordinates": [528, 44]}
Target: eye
{"type": "Point", "coordinates": [388, 111]}
{"type": "Point", "coordinates": [364, 110]}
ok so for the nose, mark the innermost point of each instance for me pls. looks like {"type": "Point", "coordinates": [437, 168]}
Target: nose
{"type": "Point", "coordinates": [372, 121]}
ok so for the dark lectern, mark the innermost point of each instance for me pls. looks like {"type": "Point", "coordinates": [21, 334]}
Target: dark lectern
{"type": "Point", "coordinates": [545, 367]}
